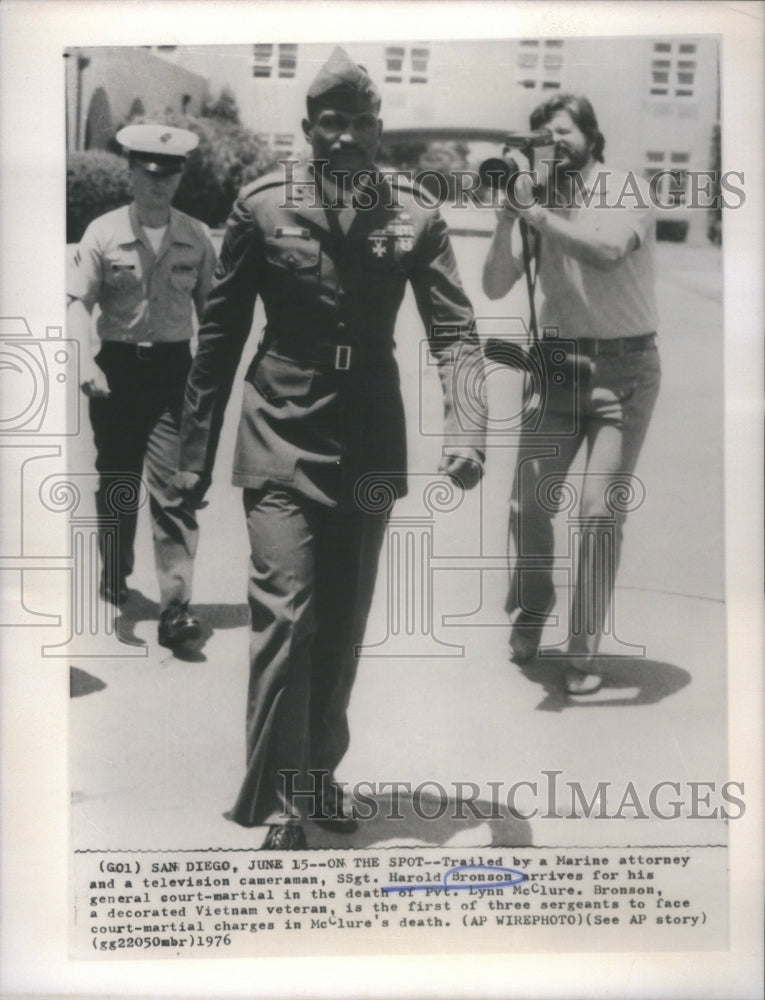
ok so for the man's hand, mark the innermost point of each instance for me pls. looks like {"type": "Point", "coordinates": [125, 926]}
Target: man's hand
{"type": "Point", "coordinates": [464, 466]}
{"type": "Point", "coordinates": [94, 383]}
{"type": "Point", "coordinates": [192, 486]}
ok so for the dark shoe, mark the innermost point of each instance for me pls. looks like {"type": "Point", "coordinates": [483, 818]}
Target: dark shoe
{"type": "Point", "coordinates": [177, 625]}
{"type": "Point", "coordinates": [113, 595]}
{"type": "Point", "coordinates": [526, 636]}
{"type": "Point", "coordinates": [582, 681]}
{"type": "Point", "coordinates": [285, 838]}
{"type": "Point", "coordinates": [332, 812]}
{"type": "Point", "coordinates": [524, 644]}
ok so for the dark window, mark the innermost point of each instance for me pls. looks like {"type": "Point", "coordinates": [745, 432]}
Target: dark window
{"type": "Point", "coordinates": [287, 61]}
{"type": "Point", "coordinates": [263, 56]}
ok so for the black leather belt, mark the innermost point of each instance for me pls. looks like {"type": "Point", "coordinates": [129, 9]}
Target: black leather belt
{"type": "Point", "coordinates": [335, 357]}
{"type": "Point", "coordinates": [615, 345]}
{"type": "Point", "coordinates": [145, 350]}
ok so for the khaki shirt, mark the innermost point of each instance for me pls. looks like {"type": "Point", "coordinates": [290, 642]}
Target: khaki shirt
{"type": "Point", "coordinates": [143, 296]}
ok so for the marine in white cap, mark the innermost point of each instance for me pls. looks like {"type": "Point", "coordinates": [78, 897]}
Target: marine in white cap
{"type": "Point", "coordinates": [147, 266]}
{"type": "Point", "coordinates": [159, 149]}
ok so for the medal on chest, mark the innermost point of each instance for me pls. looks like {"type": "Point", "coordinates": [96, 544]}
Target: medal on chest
{"type": "Point", "coordinates": [393, 240]}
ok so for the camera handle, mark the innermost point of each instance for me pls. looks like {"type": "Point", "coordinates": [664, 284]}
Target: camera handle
{"type": "Point", "coordinates": [531, 280]}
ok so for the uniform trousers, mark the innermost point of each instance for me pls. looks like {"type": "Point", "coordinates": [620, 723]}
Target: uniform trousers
{"type": "Point", "coordinates": [312, 577]}
{"type": "Point", "coordinates": [610, 419]}
{"type": "Point", "coordinates": [136, 430]}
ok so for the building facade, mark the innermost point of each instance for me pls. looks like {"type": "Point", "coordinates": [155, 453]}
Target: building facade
{"type": "Point", "coordinates": [657, 98]}
{"type": "Point", "coordinates": [107, 87]}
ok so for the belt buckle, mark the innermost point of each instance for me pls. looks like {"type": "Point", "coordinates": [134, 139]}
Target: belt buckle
{"type": "Point", "coordinates": [342, 358]}
{"type": "Point", "coordinates": [143, 351]}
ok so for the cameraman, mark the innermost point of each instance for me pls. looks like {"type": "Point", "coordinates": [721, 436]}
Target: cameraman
{"type": "Point", "coordinates": [595, 236]}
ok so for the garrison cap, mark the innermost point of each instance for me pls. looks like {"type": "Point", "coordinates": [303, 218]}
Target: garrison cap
{"type": "Point", "coordinates": [344, 85]}
{"type": "Point", "coordinates": [160, 149]}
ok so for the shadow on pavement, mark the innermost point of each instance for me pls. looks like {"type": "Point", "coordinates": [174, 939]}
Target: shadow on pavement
{"type": "Point", "coordinates": [402, 821]}
{"type": "Point", "coordinates": [82, 683]}
{"type": "Point", "coordinates": [626, 681]}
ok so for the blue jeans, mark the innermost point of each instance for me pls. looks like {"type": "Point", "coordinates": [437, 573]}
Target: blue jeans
{"type": "Point", "coordinates": [610, 418]}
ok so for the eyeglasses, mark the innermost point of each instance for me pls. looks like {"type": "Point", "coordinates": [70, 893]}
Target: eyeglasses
{"type": "Point", "coordinates": [336, 122]}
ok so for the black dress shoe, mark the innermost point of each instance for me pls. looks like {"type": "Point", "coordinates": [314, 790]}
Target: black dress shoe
{"type": "Point", "coordinates": [289, 837]}
{"type": "Point", "coordinates": [332, 812]}
{"type": "Point", "coordinates": [526, 637]}
{"type": "Point", "coordinates": [177, 625]}
{"type": "Point", "coordinates": [113, 594]}
{"type": "Point", "coordinates": [524, 644]}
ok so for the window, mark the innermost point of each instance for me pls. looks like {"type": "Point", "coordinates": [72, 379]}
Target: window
{"type": "Point", "coordinates": [264, 61]}
{"type": "Point", "coordinates": [669, 184]}
{"type": "Point", "coordinates": [262, 57]}
{"type": "Point", "coordinates": [670, 75]}
{"type": "Point", "coordinates": [287, 61]}
{"type": "Point", "coordinates": [420, 59]}
{"type": "Point", "coordinates": [401, 64]}
{"type": "Point", "coordinates": [534, 72]}
{"type": "Point", "coordinates": [394, 63]}
{"type": "Point", "coordinates": [677, 187]}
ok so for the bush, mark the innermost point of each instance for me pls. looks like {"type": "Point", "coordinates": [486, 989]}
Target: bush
{"type": "Point", "coordinates": [228, 157]}
{"type": "Point", "coordinates": [96, 182]}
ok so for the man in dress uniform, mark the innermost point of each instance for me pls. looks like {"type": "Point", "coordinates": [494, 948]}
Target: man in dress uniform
{"type": "Point", "coordinates": [144, 265]}
{"type": "Point", "coordinates": [596, 235]}
{"type": "Point", "coordinates": [321, 450]}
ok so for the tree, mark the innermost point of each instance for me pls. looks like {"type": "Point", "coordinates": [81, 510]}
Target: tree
{"type": "Point", "coordinates": [228, 156]}
{"type": "Point", "coordinates": [224, 109]}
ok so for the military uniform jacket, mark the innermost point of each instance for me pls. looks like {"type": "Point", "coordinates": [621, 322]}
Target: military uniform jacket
{"type": "Point", "coordinates": [322, 408]}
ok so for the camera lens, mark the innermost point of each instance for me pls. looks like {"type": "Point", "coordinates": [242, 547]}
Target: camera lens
{"type": "Point", "coordinates": [496, 173]}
